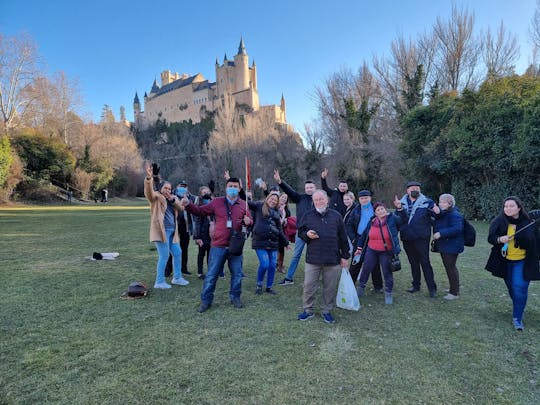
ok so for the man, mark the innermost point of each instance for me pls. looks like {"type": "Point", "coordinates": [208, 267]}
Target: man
{"type": "Point", "coordinates": [336, 195]}
{"type": "Point", "coordinates": [360, 218]}
{"type": "Point", "coordinates": [324, 232]}
{"type": "Point", "coordinates": [304, 203]}
{"type": "Point", "coordinates": [416, 211]}
{"type": "Point", "coordinates": [231, 214]}
{"type": "Point", "coordinates": [185, 225]}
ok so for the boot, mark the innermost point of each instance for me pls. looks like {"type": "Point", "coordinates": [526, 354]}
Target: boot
{"type": "Point", "coordinates": [388, 300]}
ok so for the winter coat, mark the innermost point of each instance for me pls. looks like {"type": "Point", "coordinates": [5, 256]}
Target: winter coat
{"type": "Point", "coordinates": [267, 231]}
{"type": "Point", "coordinates": [348, 219]}
{"type": "Point", "coordinates": [158, 206]}
{"type": "Point", "coordinates": [335, 198]}
{"type": "Point", "coordinates": [218, 208]}
{"type": "Point", "coordinates": [417, 218]}
{"type": "Point", "coordinates": [449, 224]}
{"type": "Point", "coordinates": [303, 201]}
{"type": "Point", "coordinates": [332, 244]}
{"type": "Point", "coordinates": [393, 222]}
{"type": "Point", "coordinates": [201, 228]}
{"type": "Point", "coordinates": [528, 239]}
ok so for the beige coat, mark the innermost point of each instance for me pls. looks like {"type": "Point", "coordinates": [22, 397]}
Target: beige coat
{"type": "Point", "coordinates": [158, 206]}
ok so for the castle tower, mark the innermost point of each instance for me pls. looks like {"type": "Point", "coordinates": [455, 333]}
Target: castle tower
{"type": "Point", "coordinates": [241, 68]}
{"type": "Point", "coordinates": [137, 110]}
{"type": "Point", "coordinates": [283, 109]}
{"type": "Point", "coordinates": [253, 75]}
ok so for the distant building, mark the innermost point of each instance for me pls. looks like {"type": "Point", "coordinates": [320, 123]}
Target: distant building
{"type": "Point", "coordinates": [183, 97]}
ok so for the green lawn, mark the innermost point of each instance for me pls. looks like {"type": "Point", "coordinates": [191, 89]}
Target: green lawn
{"type": "Point", "coordinates": [67, 337]}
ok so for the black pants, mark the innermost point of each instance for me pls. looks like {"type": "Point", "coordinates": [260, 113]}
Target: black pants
{"type": "Point", "coordinates": [449, 260]}
{"type": "Point", "coordinates": [418, 254]}
{"type": "Point", "coordinates": [203, 250]}
{"type": "Point", "coordinates": [376, 276]}
{"type": "Point", "coordinates": [184, 244]}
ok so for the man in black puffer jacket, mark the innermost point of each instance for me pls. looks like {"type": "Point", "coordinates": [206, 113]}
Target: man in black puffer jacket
{"type": "Point", "coordinates": [335, 195]}
{"type": "Point", "coordinates": [324, 232]}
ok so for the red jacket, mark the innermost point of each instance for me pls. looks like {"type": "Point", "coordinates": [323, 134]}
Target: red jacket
{"type": "Point", "coordinates": [218, 208]}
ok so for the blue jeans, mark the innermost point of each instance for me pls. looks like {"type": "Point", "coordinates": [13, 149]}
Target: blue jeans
{"type": "Point", "coordinates": [217, 258]}
{"type": "Point", "coordinates": [517, 287]}
{"type": "Point", "coordinates": [163, 249]}
{"type": "Point", "coordinates": [267, 263]}
{"type": "Point", "coordinates": [297, 255]}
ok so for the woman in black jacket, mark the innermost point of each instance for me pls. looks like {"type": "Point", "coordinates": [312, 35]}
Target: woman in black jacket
{"type": "Point", "coordinates": [515, 253]}
{"type": "Point", "coordinates": [201, 230]}
{"type": "Point", "coordinates": [267, 237]}
{"type": "Point", "coordinates": [350, 227]}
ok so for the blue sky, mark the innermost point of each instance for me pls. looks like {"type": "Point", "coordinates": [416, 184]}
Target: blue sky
{"type": "Point", "coordinates": [115, 48]}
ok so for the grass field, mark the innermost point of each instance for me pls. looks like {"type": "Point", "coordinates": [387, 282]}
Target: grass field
{"type": "Point", "coordinates": [67, 337]}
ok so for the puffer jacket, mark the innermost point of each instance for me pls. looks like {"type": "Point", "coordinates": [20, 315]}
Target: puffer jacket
{"type": "Point", "coordinates": [267, 231]}
{"type": "Point", "coordinates": [449, 224]}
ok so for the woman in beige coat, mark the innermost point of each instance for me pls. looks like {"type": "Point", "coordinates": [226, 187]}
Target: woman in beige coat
{"type": "Point", "coordinates": [164, 207]}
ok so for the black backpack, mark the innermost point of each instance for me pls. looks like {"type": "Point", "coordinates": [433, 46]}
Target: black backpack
{"type": "Point", "coordinates": [469, 233]}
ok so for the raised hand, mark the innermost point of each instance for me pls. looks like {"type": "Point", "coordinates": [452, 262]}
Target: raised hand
{"type": "Point", "coordinates": [276, 176]}
{"type": "Point", "coordinates": [148, 169]}
{"type": "Point", "coordinates": [324, 173]}
{"type": "Point", "coordinates": [397, 203]}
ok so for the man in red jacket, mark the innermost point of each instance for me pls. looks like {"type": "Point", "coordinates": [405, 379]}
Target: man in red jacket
{"type": "Point", "coordinates": [230, 214]}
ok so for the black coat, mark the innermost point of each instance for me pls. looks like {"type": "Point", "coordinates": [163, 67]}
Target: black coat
{"type": "Point", "coordinates": [349, 220]}
{"type": "Point", "coordinates": [303, 201]}
{"type": "Point", "coordinates": [335, 198]}
{"type": "Point", "coordinates": [528, 239]}
{"type": "Point", "coordinates": [332, 244]}
{"type": "Point", "coordinates": [267, 231]}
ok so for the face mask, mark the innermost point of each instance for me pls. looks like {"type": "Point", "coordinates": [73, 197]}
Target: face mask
{"type": "Point", "coordinates": [232, 192]}
{"type": "Point", "coordinates": [206, 200]}
{"type": "Point", "coordinates": [181, 191]}
{"type": "Point", "coordinates": [415, 194]}
{"type": "Point", "coordinates": [207, 197]}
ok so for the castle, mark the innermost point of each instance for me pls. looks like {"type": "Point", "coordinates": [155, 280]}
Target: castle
{"type": "Point", "coordinates": [183, 97]}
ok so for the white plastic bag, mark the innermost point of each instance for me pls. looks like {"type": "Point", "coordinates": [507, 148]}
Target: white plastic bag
{"type": "Point", "coordinates": [347, 298]}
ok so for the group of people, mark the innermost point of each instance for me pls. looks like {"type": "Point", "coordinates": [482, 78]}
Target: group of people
{"type": "Point", "coordinates": [333, 228]}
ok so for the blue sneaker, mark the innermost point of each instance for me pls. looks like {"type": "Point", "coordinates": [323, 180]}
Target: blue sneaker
{"type": "Point", "coordinates": [518, 325]}
{"type": "Point", "coordinates": [328, 318]}
{"type": "Point", "coordinates": [304, 316]}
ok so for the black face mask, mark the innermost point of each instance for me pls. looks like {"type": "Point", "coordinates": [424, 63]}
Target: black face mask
{"type": "Point", "coordinates": [415, 194]}
{"type": "Point", "coordinates": [206, 197]}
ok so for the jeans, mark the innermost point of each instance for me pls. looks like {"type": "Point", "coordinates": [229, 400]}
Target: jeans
{"type": "Point", "coordinates": [218, 256]}
{"type": "Point", "coordinates": [418, 254]}
{"type": "Point", "coordinates": [374, 260]}
{"type": "Point", "coordinates": [163, 249]}
{"type": "Point", "coordinates": [517, 287]}
{"type": "Point", "coordinates": [297, 255]}
{"type": "Point", "coordinates": [267, 263]}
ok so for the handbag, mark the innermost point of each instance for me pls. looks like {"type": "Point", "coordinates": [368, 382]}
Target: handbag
{"type": "Point", "coordinates": [347, 298]}
{"type": "Point", "coordinates": [237, 238]}
{"type": "Point", "coordinates": [395, 263]}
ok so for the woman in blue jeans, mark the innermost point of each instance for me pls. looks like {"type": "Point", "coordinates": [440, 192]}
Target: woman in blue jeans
{"type": "Point", "coordinates": [164, 208]}
{"type": "Point", "coordinates": [267, 237]}
{"type": "Point", "coordinates": [515, 253]}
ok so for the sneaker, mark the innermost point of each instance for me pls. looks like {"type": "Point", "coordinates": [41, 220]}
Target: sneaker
{"type": "Point", "coordinates": [203, 307]}
{"type": "Point", "coordinates": [270, 290]}
{"type": "Point", "coordinates": [518, 325]}
{"type": "Point", "coordinates": [179, 281]}
{"type": "Point", "coordinates": [328, 318]}
{"type": "Point", "coordinates": [412, 289]}
{"type": "Point", "coordinates": [258, 290]}
{"type": "Point", "coordinates": [286, 281]}
{"type": "Point", "coordinates": [450, 297]}
{"type": "Point", "coordinates": [187, 273]}
{"type": "Point", "coordinates": [201, 276]}
{"type": "Point", "coordinates": [433, 293]}
{"type": "Point", "coordinates": [304, 316]}
{"type": "Point", "coordinates": [388, 300]}
{"type": "Point", "coordinates": [237, 303]}
{"type": "Point", "coordinates": [162, 286]}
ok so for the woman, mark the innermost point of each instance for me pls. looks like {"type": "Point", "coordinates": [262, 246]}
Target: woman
{"type": "Point", "coordinates": [350, 205]}
{"type": "Point", "coordinates": [449, 240]}
{"type": "Point", "coordinates": [267, 236]}
{"type": "Point", "coordinates": [201, 230]}
{"type": "Point", "coordinates": [515, 253]}
{"type": "Point", "coordinates": [164, 208]}
{"type": "Point", "coordinates": [284, 213]}
{"type": "Point", "coordinates": [380, 239]}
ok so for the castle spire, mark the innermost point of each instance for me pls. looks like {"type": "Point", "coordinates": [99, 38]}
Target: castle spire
{"type": "Point", "coordinates": [225, 58]}
{"type": "Point", "coordinates": [217, 63]}
{"type": "Point", "coordinates": [136, 99]}
{"type": "Point", "coordinates": [241, 47]}
{"type": "Point", "coordinates": [155, 87]}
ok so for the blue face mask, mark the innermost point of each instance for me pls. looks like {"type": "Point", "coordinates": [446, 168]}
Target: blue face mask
{"type": "Point", "coordinates": [232, 192]}
{"type": "Point", "coordinates": [181, 191]}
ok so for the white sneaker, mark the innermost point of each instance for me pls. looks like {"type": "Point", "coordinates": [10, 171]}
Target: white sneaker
{"type": "Point", "coordinates": [179, 281]}
{"type": "Point", "coordinates": [450, 297]}
{"type": "Point", "coordinates": [162, 286]}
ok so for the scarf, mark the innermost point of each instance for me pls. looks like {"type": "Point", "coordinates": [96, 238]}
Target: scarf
{"type": "Point", "coordinates": [421, 202]}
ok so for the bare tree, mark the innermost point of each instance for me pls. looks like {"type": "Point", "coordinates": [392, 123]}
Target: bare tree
{"type": "Point", "coordinates": [18, 70]}
{"type": "Point", "coordinates": [458, 51]}
{"type": "Point", "coordinates": [500, 53]}
{"type": "Point", "coordinates": [534, 29]}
